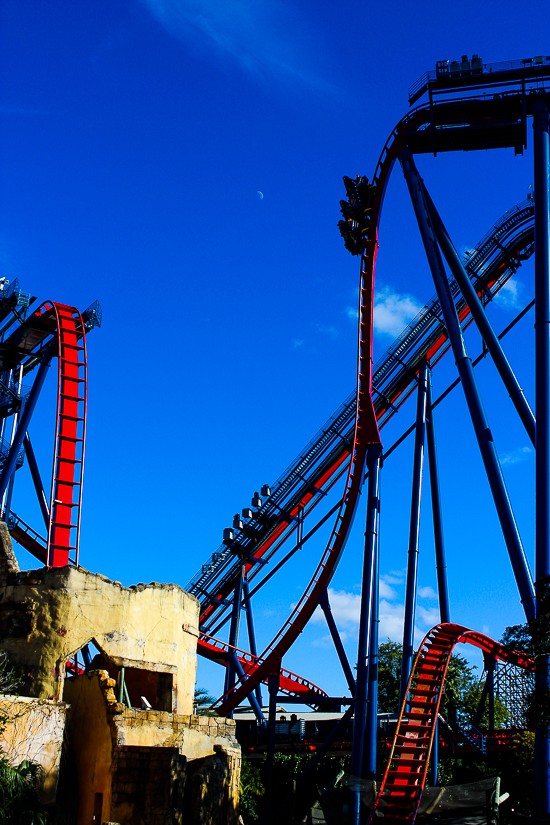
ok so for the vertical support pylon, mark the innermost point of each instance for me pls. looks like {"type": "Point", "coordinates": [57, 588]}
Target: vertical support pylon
{"type": "Point", "coordinates": [273, 683]}
{"type": "Point", "coordinates": [414, 532]}
{"type": "Point", "coordinates": [541, 130]}
{"type": "Point", "coordinates": [251, 631]}
{"type": "Point", "coordinates": [234, 627]}
{"type": "Point", "coordinates": [463, 361]}
{"type": "Point", "coordinates": [440, 563]}
{"type": "Point", "coordinates": [368, 590]}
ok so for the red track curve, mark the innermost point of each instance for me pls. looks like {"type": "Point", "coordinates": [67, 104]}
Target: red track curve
{"type": "Point", "coordinates": [291, 683]}
{"type": "Point", "coordinates": [365, 433]}
{"type": "Point", "coordinates": [405, 775]}
{"type": "Point", "coordinates": [66, 323]}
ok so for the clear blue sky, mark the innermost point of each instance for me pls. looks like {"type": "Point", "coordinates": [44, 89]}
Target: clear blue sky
{"type": "Point", "coordinates": [136, 137]}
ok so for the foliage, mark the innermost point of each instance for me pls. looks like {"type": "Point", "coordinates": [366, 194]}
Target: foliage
{"type": "Point", "coordinates": [533, 638]}
{"type": "Point", "coordinates": [19, 786]}
{"type": "Point", "coordinates": [389, 672]}
{"type": "Point", "coordinates": [9, 683]}
{"type": "Point", "coordinates": [461, 692]}
{"type": "Point", "coordinates": [202, 701]}
{"type": "Point", "coordinates": [19, 797]}
{"type": "Point", "coordinates": [252, 789]}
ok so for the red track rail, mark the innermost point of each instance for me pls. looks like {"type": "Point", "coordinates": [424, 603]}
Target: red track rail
{"type": "Point", "coordinates": [218, 651]}
{"type": "Point", "coordinates": [70, 434]}
{"type": "Point", "coordinates": [365, 433]}
{"type": "Point", "coordinates": [401, 789]}
{"type": "Point", "coordinates": [64, 323]}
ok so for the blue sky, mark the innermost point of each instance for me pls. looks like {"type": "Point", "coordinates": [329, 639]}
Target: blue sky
{"type": "Point", "coordinates": [135, 138]}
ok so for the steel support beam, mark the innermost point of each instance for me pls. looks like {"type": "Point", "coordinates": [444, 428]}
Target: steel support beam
{"type": "Point", "coordinates": [273, 681]}
{"type": "Point", "coordinates": [473, 399]}
{"type": "Point", "coordinates": [414, 532]}
{"type": "Point", "coordinates": [440, 562]}
{"type": "Point", "coordinates": [234, 627]}
{"type": "Point", "coordinates": [251, 631]}
{"type": "Point", "coordinates": [37, 481]}
{"type": "Point", "coordinates": [369, 752]}
{"type": "Point", "coordinates": [324, 604]}
{"type": "Point", "coordinates": [365, 622]}
{"type": "Point", "coordinates": [11, 483]}
{"type": "Point", "coordinates": [24, 421]}
{"type": "Point", "coordinates": [483, 324]}
{"type": "Point", "coordinates": [541, 129]}
{"type": "Point", "coordinates": [254, 704]}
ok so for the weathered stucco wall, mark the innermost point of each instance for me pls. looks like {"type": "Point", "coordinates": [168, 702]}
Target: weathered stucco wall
{"type": "Point", "coordinates": [48, 614]}
{"type": "Point", "coordinates": [90, 739]}
{"type": "Point", "coordinates": [34, 731]}
{"type": "Point", "coordinates": [106, 736]}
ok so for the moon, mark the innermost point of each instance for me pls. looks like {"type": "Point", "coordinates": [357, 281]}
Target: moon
{"type": "Point", "coordinates": [260, 195]}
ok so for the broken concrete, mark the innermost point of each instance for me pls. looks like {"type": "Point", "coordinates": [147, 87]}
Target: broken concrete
{"type": "Point", "coordinates": [47, 615]}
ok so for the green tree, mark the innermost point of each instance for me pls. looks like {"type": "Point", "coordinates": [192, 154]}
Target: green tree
{"type": "Point", "coordinates": [19, 793]}
{"type": "Point", "coordinates": [19, 785]}
{"type": "Point", "coordinates": [251, 789]}
{"type": "Point", "coordinates": [202, 702]}
{"type": "Point", "coordinates": [533, 638]}
{"type": "Point", "coordinates": [389, 673]}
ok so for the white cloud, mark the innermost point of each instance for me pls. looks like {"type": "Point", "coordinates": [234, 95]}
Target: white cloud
{"type": "Point", "coordinates": [521, 454]}
{"type": "Point", "coordinates": [327, 330]}
{"type": "Point", "coordinates": [394, 577]}
{"type": "Point", "coordinates": [426, 593]}
{"type": "Point", "coordinates": [429, 616]}
{"type": "Point", "coordinates": [352, 313]}
{"type": "Point", "coordinates": [508, 295]}
{"type": "Point", "coordinates": [265, 37]}
{"type": "Point", "coordinates": [393, 311]}
{"type": "Point", "coordinates": [297, 342]}
{"type": "Point", "coordinates": [386, 592]}
{"type": "Point", "coordinates": [346, 609]}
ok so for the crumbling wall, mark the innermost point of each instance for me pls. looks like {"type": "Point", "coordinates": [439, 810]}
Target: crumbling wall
{"type": "Point", "coordinates": [34, 731]}
{"type": "Point", "coordinates": [48, 614]}
{"type": "Point", "coordinates": [90, 698]}
{"type": "Point", "coordinates": [148, 786]}
{"type": "Point", "coordinates": [135, 760]}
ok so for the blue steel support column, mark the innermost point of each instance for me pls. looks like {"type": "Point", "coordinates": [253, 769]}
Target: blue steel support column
{"type": "Point", "coordinates": [374, 458]}
{"type": "Point", "coordinates": [11, 482]}
{"type": "Point", "coordinates": [542, 391]}
{"type": "Point", "coordinates": [483, 324]}
{"type": "Point", "coordinates": [491, 690]}
{"type": "Point", "coordinates": [251, 631]}
{"type": "Point", "coordinates": [37, 481]}
{"type": "Point", "coordinates": [371, 730]}
{"type": "Point", "coordinates": [324, 604]}
{"type": "Point", "coordinates": [234, 628]}
{"type": "Point", "coordinates": [473, 399]}
{"type": "Point", "coordinates": [23, 424]}
{"type": "Point", "coordinates": [440, 563]}
{"type": "Point", "coordinates": [252, 699]}
{"type": "Point", "coordinates": [273, 681]}
{"type": "Point", "coordinates": [412, 564]}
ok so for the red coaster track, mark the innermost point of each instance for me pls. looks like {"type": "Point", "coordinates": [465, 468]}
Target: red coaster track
{"type": "Point", "coordinates": [366, 431]}
{"type": "Point", "coordinates": [59, 330]}
{"type": "Point", "coordinates": [405, 775]}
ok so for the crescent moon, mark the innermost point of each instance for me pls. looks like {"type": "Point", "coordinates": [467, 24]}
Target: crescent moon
{"type": "Point", "coordinates": [261, 195]}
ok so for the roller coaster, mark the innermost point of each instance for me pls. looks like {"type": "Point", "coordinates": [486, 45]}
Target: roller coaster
{"type": "Point", "coordinates": [470, 106]}
{"type": "Point", "coordinates": [475, 106]}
